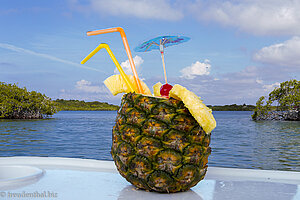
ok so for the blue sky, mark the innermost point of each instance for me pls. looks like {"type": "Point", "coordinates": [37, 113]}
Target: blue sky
{"type": "Point", "coordinates": [239, 50]}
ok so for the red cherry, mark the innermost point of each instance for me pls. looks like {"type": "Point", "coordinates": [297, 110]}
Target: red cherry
{"type": "Point", "coordinates": [165, 89]}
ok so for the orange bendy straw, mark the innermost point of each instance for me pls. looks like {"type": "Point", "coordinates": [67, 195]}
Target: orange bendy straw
{"type": "Point", "coordinates": [126, 45]}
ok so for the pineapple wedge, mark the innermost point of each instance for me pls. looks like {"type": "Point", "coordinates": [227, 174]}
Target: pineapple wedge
{"type": "Point", "coordinates": [199, 111]}
{"type": "Point", "coordinates": [156, 89]}
{"type": "Point", "coordinates": [116, 85]}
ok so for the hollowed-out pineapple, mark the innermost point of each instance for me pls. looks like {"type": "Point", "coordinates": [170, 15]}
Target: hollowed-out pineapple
{"type": "Point", "coordinates": [162, 144]}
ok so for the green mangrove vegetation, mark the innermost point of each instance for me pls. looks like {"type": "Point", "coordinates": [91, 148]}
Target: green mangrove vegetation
{"type": "Point", "coordinates": [62, 104]}
{"type": "Point", "coordinates": [232, 107]}
{"type": "Point", "coordinates": [283, 103]}
{"type": "Point", "coordinates": [18, 103]}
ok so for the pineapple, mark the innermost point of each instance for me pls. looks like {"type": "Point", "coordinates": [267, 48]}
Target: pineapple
{"type": "Point", "coordinates": [156, 89]}
{"type": "Point", "coordinates": [200, 111]}
{"type": "Point", "coordinates": [158, 145]}
{"type": "Point", "coordinates": [116, 85]}
{"type": "Point", "coordinates": [162, 144]}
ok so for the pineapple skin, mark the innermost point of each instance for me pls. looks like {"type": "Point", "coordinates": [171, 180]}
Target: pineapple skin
{"type": "Point", "coordinates": [157, 145]}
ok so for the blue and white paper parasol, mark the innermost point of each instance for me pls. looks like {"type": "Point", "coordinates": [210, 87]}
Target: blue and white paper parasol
{"type": "Point", "coordinates": [160, 43]}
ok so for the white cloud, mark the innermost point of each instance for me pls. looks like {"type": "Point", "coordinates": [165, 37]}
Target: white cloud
{"type": "Point", "coordinates": [244, 86]}
{"type": "Point", "coordinates": [259, 17]}
{"type": "Point", "coordinates": [138, 61]}
{"type": "Point", "coordinates": [88, 91]}
{"type": "Point", "coordinates": [154, 9]}
{"type": "Point", "coordinates": [196, 69]}
{"type": "Point", "coordinates": [269, 88]}
{"type": "Point", "coordinates": [262, 17]}
{"type": "Point", "coordinates": [8, 11]}
{"type": "Point", "coordinates": [259, 81]}
{"type": "Point", "coordinates": [283, 54]}
{"type": "Point", "coordinates": [86, 86]}
{"type": "Point", "coordinates": [46, 56]}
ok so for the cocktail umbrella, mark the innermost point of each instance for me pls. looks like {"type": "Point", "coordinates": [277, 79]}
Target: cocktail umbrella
{"type": "Point", "coordinates": [160, 43]}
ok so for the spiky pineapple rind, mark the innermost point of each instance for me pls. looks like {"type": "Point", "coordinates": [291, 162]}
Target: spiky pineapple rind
{"type": "Point", "coordinates": [156, 142]}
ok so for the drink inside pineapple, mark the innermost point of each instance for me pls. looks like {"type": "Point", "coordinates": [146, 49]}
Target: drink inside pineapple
{"type": "Point", "coordinates": [158, 145]}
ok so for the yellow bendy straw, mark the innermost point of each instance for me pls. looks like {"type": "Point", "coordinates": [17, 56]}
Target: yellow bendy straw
{"type": "Point", "coordinates": [127, 49]}
{"type": "Point", "coordinates": [106, 46]}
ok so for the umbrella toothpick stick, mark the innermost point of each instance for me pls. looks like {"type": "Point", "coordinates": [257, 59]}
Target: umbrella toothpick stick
{"type": "Point", "coordinates": [165, 72]}
{"type": "Point", "coordinates": [126, 45]}
{"type": "Point", "coordinates": [161, 48]}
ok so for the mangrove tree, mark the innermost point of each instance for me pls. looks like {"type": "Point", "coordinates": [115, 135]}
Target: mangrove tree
{"type": "Point", "coordinates": [19, 103]}
{"type": "Point", "coordinates": [283, 103]}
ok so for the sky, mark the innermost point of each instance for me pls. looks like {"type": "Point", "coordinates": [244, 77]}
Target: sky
{"type": "Point", "coordinates": [239, 50]}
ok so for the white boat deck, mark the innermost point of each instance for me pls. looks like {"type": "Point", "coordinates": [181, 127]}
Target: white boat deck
{"type": "Point", "coordinates": [84, 179]}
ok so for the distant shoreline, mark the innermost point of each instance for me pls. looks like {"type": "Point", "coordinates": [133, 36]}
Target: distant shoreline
{"type": "Point", "coordinates": [116, 110]}
{"type": "Point", "coordinates": [87, 110]}
{"type": "Point", "coordinates": [232, 107]}
{"type": "Point", "coordinates": [76, 105]}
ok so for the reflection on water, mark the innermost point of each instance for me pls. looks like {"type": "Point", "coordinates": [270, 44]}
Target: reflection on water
{"type": "Point", "coordinates": [68, 134]}
{"type": "Point", "coordinates": [236, 142]}
{"type": "Point", "coordinates": [280, 141]}
{"type": "Point", "coordinates": [19, 135]}
{"type": "Point", "coordinates": [240, 142]}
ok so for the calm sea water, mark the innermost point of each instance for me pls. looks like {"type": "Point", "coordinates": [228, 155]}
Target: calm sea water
{"type": "Point", "coordinates": [236, 142]}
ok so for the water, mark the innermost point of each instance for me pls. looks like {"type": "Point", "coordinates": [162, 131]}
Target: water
{"type": "Point", "coordinates": [236, 142]}
{"type": "Point", "coordinates": [240, 142]}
